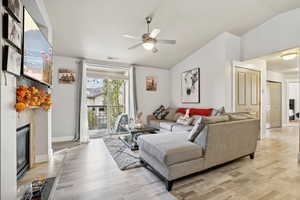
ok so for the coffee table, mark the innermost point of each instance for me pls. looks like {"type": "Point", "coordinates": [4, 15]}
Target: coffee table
{"type": "Point", "coordinates": [130, 139]}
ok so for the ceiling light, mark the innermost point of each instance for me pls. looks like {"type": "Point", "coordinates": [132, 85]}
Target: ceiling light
{"type": "Point", "coordinates": [148, 45]}
{"type": "Point", "coordinates": [289, 56]}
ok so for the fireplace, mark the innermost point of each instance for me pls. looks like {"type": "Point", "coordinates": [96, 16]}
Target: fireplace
{"type": "Point", "coordinates": [23, 150]}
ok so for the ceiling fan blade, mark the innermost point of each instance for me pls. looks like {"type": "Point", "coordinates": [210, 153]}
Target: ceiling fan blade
{"type": "Point", "coordinates": [132, 37]}
{"type": "Point", "coordinates": [135, 46]}
{"type": "Point", "coordinates": [154, 33]}
{"type": "Point", "coordinates": [166, 41]}
{"type": "Point", "coordinates": [154, 50]}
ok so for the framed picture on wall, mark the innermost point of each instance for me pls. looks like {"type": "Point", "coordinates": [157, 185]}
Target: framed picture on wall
{"type": "Point", "coordinates": [12, 31]}
{"type": "Point", "coordinates": [151, 83]}
{"type": "Point", "coordinates": [15, 8]}
{"type": "Point", "coordinates": [66, 76]}
{"type": "Point", "coordinates": [190, 86]}
{"type": "Point", "coordinates": [11, 60]}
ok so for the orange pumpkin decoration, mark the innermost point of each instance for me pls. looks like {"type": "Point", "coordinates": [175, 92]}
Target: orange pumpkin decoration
{"type": "Point", "coordinates": [31, 96]}
{"type": "Point", "coordinates": [20, 107]}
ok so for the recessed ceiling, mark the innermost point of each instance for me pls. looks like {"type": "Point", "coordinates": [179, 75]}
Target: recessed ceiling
{"type": "Point", "coordinates": [275, 62]}
{"type": "Point", "coordinates": [93, 28]}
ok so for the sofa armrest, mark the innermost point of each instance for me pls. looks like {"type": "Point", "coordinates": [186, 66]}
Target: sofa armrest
{"type": "Point", "coordinates": [150, 117]}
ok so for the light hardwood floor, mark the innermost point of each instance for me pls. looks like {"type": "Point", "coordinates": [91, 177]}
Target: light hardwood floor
{"type": "Point", "coordinates": [89, 172]}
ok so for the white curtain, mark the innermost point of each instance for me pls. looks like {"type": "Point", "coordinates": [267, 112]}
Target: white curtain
{"type": "Point", "coordinates": [133, 107]}
{"type": "Point", "coordinates": [83, 113]}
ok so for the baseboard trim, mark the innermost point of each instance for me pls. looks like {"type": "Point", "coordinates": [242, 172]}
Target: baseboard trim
{"type": "Point", "coordinates": [62, 139]}
{"type": "Point", "coordinates": [42, 158]}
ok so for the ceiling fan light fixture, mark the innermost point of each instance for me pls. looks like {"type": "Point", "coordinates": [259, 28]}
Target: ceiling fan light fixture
{"type": "Point", "coordinates": [148, 45]}
{"type": "Point", "coordinates": [290, 56]}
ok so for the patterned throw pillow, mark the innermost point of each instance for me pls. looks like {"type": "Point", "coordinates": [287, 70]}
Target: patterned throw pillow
{"type": "Point", "coordinates": [158, 111]}
{"type": "Point", "coordinates": [185, 120]}
{"type": "Point", "coordinates": [162, 114]}
{"type": "Point", "coordinates": [199, 125]}
{"type": "Point", "coordinates": [218, 112]}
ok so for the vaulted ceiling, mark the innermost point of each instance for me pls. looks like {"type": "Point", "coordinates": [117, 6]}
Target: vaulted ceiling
{"type": "Point", "coordinates": [93, 28]}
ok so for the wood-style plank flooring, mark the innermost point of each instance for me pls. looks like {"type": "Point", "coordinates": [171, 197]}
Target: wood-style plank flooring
{"type": "Point", "coordinates": [89, 172]}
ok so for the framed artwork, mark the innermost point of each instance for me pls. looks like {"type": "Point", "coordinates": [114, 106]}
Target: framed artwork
{"type": "Point", "coordinates": [190, 86]}
{"type": "Point", "coordinates": [12, 60]}
{"type": "Point", "coordinates": [15, 8]}
{"type": "Point", "coordinates": [66, 76]}
{"type": "Point", "coordinates": [12, 31]}
{"type": "Point", "coordinates": [151, 83]}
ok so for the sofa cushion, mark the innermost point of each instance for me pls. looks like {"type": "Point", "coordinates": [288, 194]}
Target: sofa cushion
{"type": "Point", "coordinates": [171, 114]}
{"type": "Point", "coordinates": [155, 122]}
{"type": "Point", "coordinates": [181, 128]}
{"type": "Point", "coordinates": [167, 125]}
{"type": "Point", "coordinates": [239, 116]}
{"type": "Point", "coordinates": [170, 148]}
{"type": "Point", "coordinates": [176, 116]}
{"type": "Point", "coordinates": [215, 119]}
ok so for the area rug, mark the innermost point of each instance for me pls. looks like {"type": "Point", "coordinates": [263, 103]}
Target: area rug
{"type": "Point", "coordinates": [122, 155]}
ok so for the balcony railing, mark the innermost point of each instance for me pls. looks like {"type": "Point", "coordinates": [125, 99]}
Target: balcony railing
{"type": "Point", "coordinates": [103, 116]}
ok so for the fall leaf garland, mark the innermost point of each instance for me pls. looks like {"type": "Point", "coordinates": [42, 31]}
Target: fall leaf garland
{"type": "Point", "coordinates": [29, 96]}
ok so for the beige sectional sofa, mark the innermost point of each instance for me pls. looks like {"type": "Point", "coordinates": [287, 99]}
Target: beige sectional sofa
{"type": "Point", "coordinates": [172, 156]}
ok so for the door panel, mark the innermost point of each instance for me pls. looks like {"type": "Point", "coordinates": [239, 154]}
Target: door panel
{"type": "Point", "coordinates": [248, 91]}
{"type": "Point", "coordinates": [274, 104]}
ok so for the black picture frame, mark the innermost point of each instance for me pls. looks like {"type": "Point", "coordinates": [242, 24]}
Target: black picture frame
{"type": "Point", "coordinates": [12, 60]}
{"type": "Point", "coordinates": [12, 31]}
{"type": "Point", "coordinates": [198, 85]}
{"type": "Point", "coordinates": [15, 8]}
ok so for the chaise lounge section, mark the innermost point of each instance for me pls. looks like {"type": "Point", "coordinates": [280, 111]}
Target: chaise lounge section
{"type": "Point", "coordinates": [172, 156]}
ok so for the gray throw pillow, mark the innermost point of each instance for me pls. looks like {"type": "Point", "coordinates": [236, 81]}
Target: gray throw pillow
{"type": "Point", "coordinates": [199, 125]}
{"type": "Point", "coordinates": [218, 112]}
{"type": "Point", "coordinates": [201, 138]}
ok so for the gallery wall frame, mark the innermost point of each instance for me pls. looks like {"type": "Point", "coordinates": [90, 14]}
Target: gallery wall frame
{"type": "Point", "coordinates": [11, 60]}
{"type": "Point", "coordinates": [15, 8]}
{"type": "Point", "coordinates": [12, 31]}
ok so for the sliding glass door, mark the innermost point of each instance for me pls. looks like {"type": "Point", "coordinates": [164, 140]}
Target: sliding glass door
{"type": "Point", "coordinates": [105, 101]}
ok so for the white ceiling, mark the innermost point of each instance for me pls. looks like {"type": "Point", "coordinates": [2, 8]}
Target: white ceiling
{"type": "Point", "coordinates": [93, 28]}
{"type": "Point", "coordinates": [287, 67]}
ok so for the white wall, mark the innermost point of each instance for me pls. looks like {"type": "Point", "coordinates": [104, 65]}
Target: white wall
{"type": "Point", "coordinates": [65, 101]}
{"type": "Point", "coordinates": [215, 63]}
{"type": "Point", "coordinates": [279, 33]}
{"type": "Point", "coordinates": [279, 77]}
{"type": "Point", "coordinates": [148, 101]}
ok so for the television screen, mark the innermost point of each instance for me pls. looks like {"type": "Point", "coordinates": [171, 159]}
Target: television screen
{"type": "Point", "coordinates": [37, 52]}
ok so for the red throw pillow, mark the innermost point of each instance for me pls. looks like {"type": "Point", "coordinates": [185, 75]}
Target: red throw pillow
{"type": "Point", "coordinates": [181, 110]}
{"type": "Point", "coordinates": [199, 111]}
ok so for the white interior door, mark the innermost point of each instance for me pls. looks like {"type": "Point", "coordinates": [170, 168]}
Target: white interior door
{"type": "Point", "coordinates": [247, 87]}
{"type": "Point", "coordinates": [274, 104]}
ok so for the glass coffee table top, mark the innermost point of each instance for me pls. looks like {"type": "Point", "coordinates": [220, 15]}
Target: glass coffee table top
{"type": "Point", "coordinates": [130, 140]}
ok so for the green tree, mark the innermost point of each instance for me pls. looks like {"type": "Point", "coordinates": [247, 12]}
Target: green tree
{"type": "Point", "coordinates": [113, 99]}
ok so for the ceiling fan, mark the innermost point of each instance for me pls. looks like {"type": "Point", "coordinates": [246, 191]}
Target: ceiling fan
{"type": "Point", "coordinates": [149, 40]}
